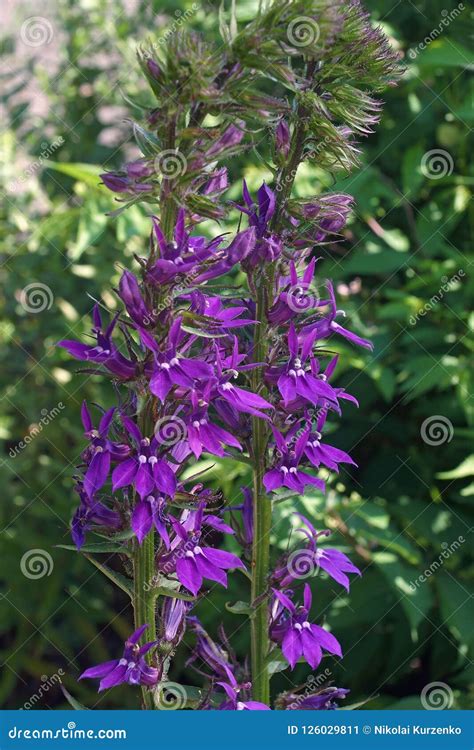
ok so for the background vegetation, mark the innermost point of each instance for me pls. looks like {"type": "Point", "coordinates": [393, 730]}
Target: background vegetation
{"type": "Point", "coordinates": [405, 512]}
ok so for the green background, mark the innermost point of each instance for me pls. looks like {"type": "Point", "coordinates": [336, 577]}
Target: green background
{"type": "Point", "coordinates": [405, 511]}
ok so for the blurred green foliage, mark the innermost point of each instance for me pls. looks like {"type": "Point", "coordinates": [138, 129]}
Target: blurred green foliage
{"type": "Point", "coordinates": [404, 277]}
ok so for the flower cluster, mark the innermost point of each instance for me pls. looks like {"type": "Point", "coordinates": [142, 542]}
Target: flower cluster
{"type": "Point", "coordinates": [205, 367]}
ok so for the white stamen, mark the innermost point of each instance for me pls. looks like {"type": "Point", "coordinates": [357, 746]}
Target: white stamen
{"type": "Point", "coordinates": [174, 362]}
{"type": "Point", "coordinates": [298, 626]}
{"type": "Point", "coordinates": [240, 706]}
{"type": "Point", "coordinates": [197, 550]}
{"type": "Point", "coordinates": [227, 386]}
{"type": "Point", "coordinates": [196, 423]}
{"type": "Point", "coordinates": [152, 460]}
{"type": "Point", "coordinates": [142, 459]}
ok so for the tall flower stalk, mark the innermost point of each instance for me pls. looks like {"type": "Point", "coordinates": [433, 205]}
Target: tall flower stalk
{"type": "Point", "coordinates": [205, 368]}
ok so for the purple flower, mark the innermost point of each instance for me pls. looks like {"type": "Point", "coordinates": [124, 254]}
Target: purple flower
{"type": "Point", "coordinates": [153, 68]}
{"type": "Point", "coordinates": [144, 469]}
{"type": "Point", "coordinates": [205, 562]}
{"type": "Point", "coordinates": [148, 512]}
{"type": "Point", "coordinates": [101, 451]}
{"type": "Point", "coordinates": [322, 453]}
{"type": "Point", "coordinates": [282, 137]}
{"type": "Point", "coordinates": [183, 258]}
{"type": "Point", "coordinates": [90, 513]}
{"type": "Point", "coordinates": [194, 561]}
{"type": "Point", "coordinates": [171, 368]}
{"type": "Point", "coordinates": [131, 668]}
{"type": "Point", "coordinates": [212, 654]}
{"type": "Point", "coordinates": [268, 246]}
{"type": "Point", "coordinates": [131, 296]}
{"type": "Point", "coordinates": [201, 433]}
{"type": "Point", "coordinates": [233, 703]}
{"type": "Point", "coordinates": [286, 472]}
{"type": "Point", "coordinates": [298, 637]}
{"type": "Point", "coordinates": [230, 138]}
{"type": "Point", "coordinates": [121, 183]}
{"type": "Point", "coordinates": [328, 325]}
{"type": "Point", "coordinates": [105, 352]}
{"type": "Point", "coordinates": [298, 379]}
{"type": "Point", "coordinates": [297, 295]}
{"type": "Point", "coordinates": [323, 700]}
{"type": "Point", "coordinates": [173, 620]}
{"type": "Point", "coordinates": [335, 563]}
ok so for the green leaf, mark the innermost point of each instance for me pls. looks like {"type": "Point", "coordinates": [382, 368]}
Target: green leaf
{"type": "Point", "coordinates": [465, 469]}
{"type": "Point", "coordinates": [240, 608]}
{"type": "Point", "coordinates": [416, 601]}
{"type": "Point", "coordinates": [447, 54]}
{"type": "Point", "coordinates": [117, 578]}
{"type": "Point", "coordinates": [456, 606]}
{"type": "Point", "coordinates": [72, 701]}
{"type": "Point", "coordinates": [165, 591]}
{"type": "Point", "coordinates": [88, 173]}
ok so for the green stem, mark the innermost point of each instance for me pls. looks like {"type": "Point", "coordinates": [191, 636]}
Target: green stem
{"type": "Point", "coordinates": [262, 507]}
{"type": "Point", "coordinates": [144, 597]}
{"type": "Point", "coordinates": [262, 518]}
{"type": "Point", "coordinates": [144, 600]}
